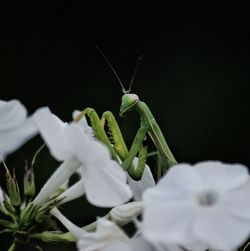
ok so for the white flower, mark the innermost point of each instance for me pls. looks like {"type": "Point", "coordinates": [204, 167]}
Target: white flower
{"type": "Point", "coordinates": [134, 244]}
{"type": "Point", "coordinates": [201, 206]}
{"type": "Point", "coordinates": [123, 214]}
{"type": "Point", "coordinates": [106, 232]}
{"type": "Point", "coordinates": [76, 231]}
{"type": "Point", "coordinates": [108, 237]}
{"type": "Point", "coordinates": [52, 130]}
{"type": "Point", "coordinates": [102, 179]}
{"type": "Point", "coordinates": [15, 127]}
{"type": "Point", "coordinates": [58, 178]}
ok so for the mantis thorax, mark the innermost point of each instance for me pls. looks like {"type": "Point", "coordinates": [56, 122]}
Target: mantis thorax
{"type": "Point", "coordinates": [129, 102]}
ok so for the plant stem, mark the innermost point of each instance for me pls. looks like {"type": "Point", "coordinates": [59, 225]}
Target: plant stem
{"type": "Point", "coordinates": [13, 246]}
{"type": "Point", "coordinates": [48, 236]}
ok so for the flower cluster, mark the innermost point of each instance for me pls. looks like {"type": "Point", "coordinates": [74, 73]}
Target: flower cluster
{"type": "Point", "coordinates": [81, 152]}
{"type": "Point", "coordinates": [191, 207]}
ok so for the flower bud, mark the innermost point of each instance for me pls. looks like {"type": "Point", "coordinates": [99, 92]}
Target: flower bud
{"type": "Point", "coordinates": [7, 224]}
{"type": "Point", "coordinates": [125, 213]}
{"type": "Point", "coordinates": [43, 211]}
{"type": "Point", "coordinates": [27, 214]}
{"type": "Point", "coordinates": [29, 182]}
{"type": "Point", "coordinates": [13, 189]}
{"type": "Point", "coordinates": [48, 236]}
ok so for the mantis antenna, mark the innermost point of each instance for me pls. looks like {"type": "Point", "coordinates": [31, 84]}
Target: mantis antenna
{"type": "Point", "coordinates": [135, 70]}
{"type": "Point", "coordinates": [112, 68]}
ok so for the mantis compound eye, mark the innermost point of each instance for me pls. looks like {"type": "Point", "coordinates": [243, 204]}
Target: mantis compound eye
{"type": "Point", "coordinates": [128, 102]}
{"type": "Point", "coordinates": [133, 97]}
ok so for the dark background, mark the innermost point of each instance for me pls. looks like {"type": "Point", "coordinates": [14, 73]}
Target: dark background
{"type": "Point", "coordinates": [194, 76]}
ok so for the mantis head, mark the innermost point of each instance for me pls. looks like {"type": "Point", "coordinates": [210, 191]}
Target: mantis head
{"type": "Point", "coordinates": [129, 102]}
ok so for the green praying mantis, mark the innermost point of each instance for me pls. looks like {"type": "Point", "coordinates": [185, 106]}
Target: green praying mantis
{"type": "Point", "coordinates": [113, 139]}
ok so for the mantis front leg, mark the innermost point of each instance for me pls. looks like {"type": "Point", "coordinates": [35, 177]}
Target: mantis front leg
{"type": "Point", "coordinates": [137, 143]}
{"type": "Point", "coordinates": [99, 131]}
{"type": "Point", "coordinates": [114, 141]}
{"type": "Point", "coordinates": [121, 148]}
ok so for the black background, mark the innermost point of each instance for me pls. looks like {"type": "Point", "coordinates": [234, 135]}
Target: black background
{"type": "Point", "coordinates": [194, 76]}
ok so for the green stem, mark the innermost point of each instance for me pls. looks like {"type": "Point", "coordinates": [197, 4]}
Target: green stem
{"type": "Point", "coordinates": [152, 153]}
{"type": "Point", "coordinates": [48, 236]}
{"type": "Point", "coordinates": [12, 247]}
{"type": "Point", "coordinates": [159, 166]}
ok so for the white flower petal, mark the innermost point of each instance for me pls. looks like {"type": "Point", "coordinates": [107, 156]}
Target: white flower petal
{"type": "Point", "coordinates": [123, 214]}
{"type": "Point", "coordinates": [236, 202]}
{"type": "Point", "coordinates": [169, 222]}
{"type": "Point", "coordinates": [12, 139]}
{"type": "Point", "coordinates": [138, 187]}
{"type": "Point", "coordinates": [12, 114]}
{"type": "Point", "coordinates": [166, 221]}
{"type": "Point", "coordinates": [220, 176]}
{"type": "Point", "coordinates": [1, 196]}
{"type": "Point", "coordinates": [103, 187]}
{"type": "Point", "coordinates": [15, 127]}
{"type": "Point", "coordinates": [220, 230]}
{"type": "Point", "coordinates": [168, 247]}
{"type": "Point", "coordinates": [179, 183]}
{"type": "Point", "coordinates": [116, 170]}
{"type": "Point", "coordinates": [108, 228]}
{"type": "Point", "coordinates": [85, 149]}
{"type": "Point", "coordinates": [141, 244]}
{"type": "Point", "coordinates": [116, 245]}
{"type": "Point", "coordinates": [135, 244]}
{"type": "Point", "coordinates": [76, 231]}
{"type": "Point", "coordinates": [62, 173]}
{"type": "Point", "coordinates": [52, 130]}
{"type": "Point", "coordinates": [101, 157]}
{"type": "Point", "coordinates": [104, 179]}
{"type": "Point", "coordinates": [106, 232]}
{"type": "Point", "coordinates": [73, 192]}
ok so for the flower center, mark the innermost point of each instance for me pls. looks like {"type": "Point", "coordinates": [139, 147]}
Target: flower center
{"type": "Point", "coordinates": [207, 198]}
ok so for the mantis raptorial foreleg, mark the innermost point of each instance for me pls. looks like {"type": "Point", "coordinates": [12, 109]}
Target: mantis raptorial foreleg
{"type": "Point", "coordinates": [99, 131]}
{"type": "Point", "coordinates": [115, 134]}
{"type": "Point", "coordinates": [114, 141]}
{"type": "Point", "coordinates": [121, 148]}
{"type": "Point", "coordinates": [140, 136]}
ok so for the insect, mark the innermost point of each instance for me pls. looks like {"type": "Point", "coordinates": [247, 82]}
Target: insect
{"type": "Point", "coordinates": [114, 139]}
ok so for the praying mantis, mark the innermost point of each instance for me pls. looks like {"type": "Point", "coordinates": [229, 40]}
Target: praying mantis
{"type": "Point", "coordinates": [113, 139]}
